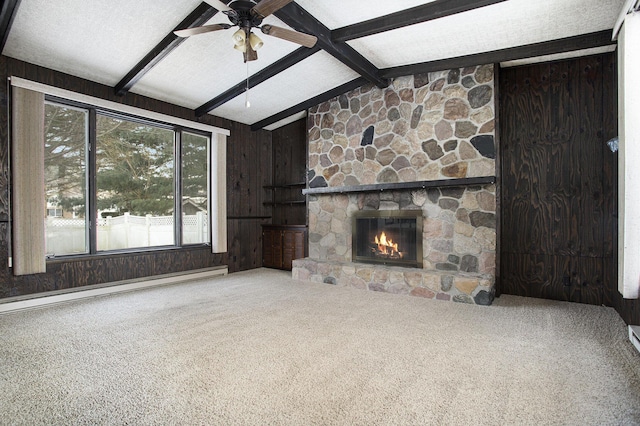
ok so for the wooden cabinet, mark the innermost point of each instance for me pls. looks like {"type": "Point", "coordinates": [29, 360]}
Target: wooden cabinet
{"type": "Point", "coordinates": [281, 244]}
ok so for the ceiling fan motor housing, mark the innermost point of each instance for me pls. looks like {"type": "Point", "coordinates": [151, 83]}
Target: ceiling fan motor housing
{"type": "Point", "coordinates": [242, 16]}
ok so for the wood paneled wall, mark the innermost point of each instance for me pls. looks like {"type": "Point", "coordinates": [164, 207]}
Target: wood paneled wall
{"type": "Point", "coordinates": [559, 187]}
{"type": "Point", "coordinates": [248, 170]}
{"type": "Point", "coordinates": [289, 166]}
{"type": "Point", "coordinates": [558, 191]}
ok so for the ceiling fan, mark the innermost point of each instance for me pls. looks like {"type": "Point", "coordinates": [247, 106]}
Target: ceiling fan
{"type": "Point", "coordinates": [247, 14]}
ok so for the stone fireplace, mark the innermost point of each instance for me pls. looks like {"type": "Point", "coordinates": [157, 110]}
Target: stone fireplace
{"type": "Point", "coordinates": [424, 148]}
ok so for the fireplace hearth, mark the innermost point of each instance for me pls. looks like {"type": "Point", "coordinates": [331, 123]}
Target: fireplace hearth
{"type": "Point", "coordinates": [388, 237]}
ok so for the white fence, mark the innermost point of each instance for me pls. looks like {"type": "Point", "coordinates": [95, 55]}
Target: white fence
{"type": "Point", "coordinates": [67, 236]}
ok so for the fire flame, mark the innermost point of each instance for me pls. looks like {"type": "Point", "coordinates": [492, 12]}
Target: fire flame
{"type": "Point", "coordinates": [386, 246]}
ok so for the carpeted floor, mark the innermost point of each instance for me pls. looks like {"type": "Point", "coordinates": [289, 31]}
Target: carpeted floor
{"type": "Point", "coordinates": [259, 348]}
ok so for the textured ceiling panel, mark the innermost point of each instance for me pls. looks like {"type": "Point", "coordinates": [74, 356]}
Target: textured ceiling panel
{"type": "Point", "coordinates": [96, 40]}
{"type": "Point", "coordinates": [206, 65]}
{"type": "Point", "coordinates": [103, 40]}
{"type": "Point", "coordinates": [294, 117]}
{"type": "Point", "coordinates": [499, 26]}
{"type": "Point", "coordinates": [340, 13]}
{"type": "Point", "coordinates": [311, 77]}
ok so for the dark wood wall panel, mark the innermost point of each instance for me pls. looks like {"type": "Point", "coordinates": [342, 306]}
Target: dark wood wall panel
{"type": "Point", "coordinates": [245, 243]}
{"type": "Point", "coordinates": [264, 167]}
{"type": "Point", "coordinates": [610, 129]}
{"type": "Point", "coordinates": [247, 153]}
{"type": "Point", "coordinates": [4, 151]}
{"type": "Point", "coordinates": [591, 159]}
{"type": "Point", "coordinates": [290, 166]}
{"type": "Point", "coordinates": [558, 180]}
{"type": "Point", "coordinates": [249, 162]}
{"type": "Point", "coordinates": [564, 165]}
{"type": "Point", "coordinates": [250, 170]}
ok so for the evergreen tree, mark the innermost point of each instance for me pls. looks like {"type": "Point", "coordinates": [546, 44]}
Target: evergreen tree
{"type": "Point", "coordinates": [135, 170]}
{"type": "Point", "coordinates": [194, 168]}
{"type": "Point", "coordinates": [135, 164]}
{"type": "Point", "coordinates": [65, 133]}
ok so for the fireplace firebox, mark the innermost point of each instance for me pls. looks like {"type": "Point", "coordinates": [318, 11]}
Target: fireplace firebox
{"type": "Point", "coordinates": [388, 237]}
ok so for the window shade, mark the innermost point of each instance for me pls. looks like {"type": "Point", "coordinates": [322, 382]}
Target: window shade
{"type": "Point", "coordinates": [27, 171]}
{"type": "Point", "coordinates": [219, 193]}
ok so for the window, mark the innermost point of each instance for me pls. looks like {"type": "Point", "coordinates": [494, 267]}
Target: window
{"type": "Point", "coordinates": [71, 167]}
{"type": "Point", "coordinates": [134, 184]}
{"type": "Point", "coordinates": [54, 212]}
{"type": "Point", "coordinates": [195, 188]}
{"type": "Point", "coordinates": [129, 182]}
{"type": "Point", "coordinates": [65, 174]}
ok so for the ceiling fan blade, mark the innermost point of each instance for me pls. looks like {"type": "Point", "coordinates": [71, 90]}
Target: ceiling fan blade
{"type": "Point", "coordinates": [187, 32]}
{"type": "Point", "coordinates": [302, 39]}
{"type": "Point", "coordinates": [218, 5]}
{"type": "Point", "coordinates": [267, 7]}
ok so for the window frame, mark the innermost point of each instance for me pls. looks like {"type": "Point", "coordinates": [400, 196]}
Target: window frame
{"type": "Point", "coordinates": [26, 166]}
{"type": "Point", "coordinates": [91, 215]}
{"type": "Point", "coordinates": [180, 184]}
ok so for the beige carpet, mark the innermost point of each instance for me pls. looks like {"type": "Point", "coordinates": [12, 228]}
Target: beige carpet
{"type": "Point", "coordinates": [259, 348]}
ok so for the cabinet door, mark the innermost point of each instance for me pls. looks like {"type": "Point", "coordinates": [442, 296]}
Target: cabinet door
{"type": "Point", "coordinates": [292, 247]}
{"type": "Point", "coordinates": [272, 248]}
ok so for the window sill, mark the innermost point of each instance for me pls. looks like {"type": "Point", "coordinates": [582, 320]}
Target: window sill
{"type": "Point", "coordinates": [124, 253]}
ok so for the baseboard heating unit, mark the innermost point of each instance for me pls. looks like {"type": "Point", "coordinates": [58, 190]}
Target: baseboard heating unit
{"type": "Point", "coordinates": [634, 336]}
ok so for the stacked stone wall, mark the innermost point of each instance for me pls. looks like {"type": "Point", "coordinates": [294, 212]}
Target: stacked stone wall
{"type": "Point", "coordinates": [423, 127]}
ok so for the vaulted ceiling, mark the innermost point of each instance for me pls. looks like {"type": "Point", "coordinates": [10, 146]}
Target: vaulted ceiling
{"type": "Point", "coordinates": [130, 46]}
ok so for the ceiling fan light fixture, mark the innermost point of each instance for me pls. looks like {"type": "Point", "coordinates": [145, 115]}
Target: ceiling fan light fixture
{"type": "Point", "coordinates": [239, 37]}
{"type": "Point", "coordinates": [255, 41]}
{"type": "Point", "coordinates": [241, 47]}
{"type": "Point", "coordinates": [246, 15]}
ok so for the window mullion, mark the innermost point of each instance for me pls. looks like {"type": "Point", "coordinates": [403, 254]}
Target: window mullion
{"type": "Point", "coordinates": [92, 211]}
{"type": "Point", "coordinates": [177, 215]}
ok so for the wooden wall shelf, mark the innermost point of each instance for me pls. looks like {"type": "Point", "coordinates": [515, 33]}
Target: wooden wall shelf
{"type": "Point", "coordinates": [285, 186]}
{"type": "Point", "coordinates": [484, 180]}
{"type": "Point", "coordinates": [284, 203]}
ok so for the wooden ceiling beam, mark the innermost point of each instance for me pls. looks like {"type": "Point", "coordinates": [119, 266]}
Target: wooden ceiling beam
{"type": "Point", "coordinates": [293, 58]}
{"type": "Point", "coordinates": [7, 13]}
{"type": "Point", "coordinates": [403, 18]}
{"type": "Point", "coordinates": [301, 20]}
{"type": "Point", "coordinates": [337, 91]}
{"type": "Point", "coordinates": [198, 17]}
{"type": "Point", "coordinates": [564, 45]}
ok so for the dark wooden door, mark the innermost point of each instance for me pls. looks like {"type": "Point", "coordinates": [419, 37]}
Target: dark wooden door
{"type": "Point", "coordinates": [558, 180]}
